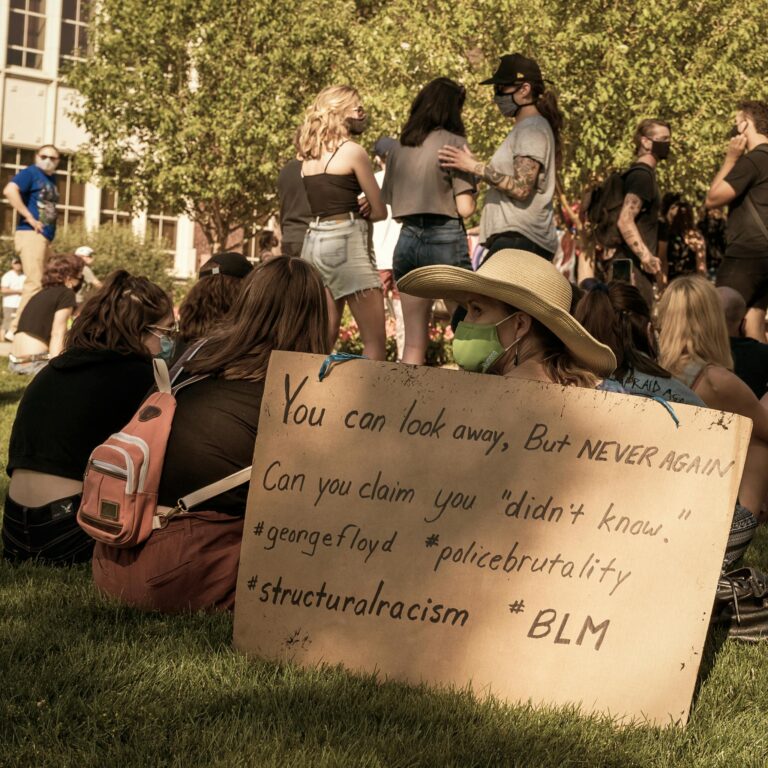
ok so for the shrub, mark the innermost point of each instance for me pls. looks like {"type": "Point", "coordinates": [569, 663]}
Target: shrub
{"type": "Point", "coordinates": [439, 350]}
{"type": "Point", "coordinates": [119, 248]}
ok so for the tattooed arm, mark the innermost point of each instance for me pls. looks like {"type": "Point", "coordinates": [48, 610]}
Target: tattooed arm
{"type": "Point", "coordinates": [518, 186]}
{"type": "Point", "coordinates": [628, 228]}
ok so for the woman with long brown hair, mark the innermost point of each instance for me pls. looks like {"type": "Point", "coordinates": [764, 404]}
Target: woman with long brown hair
{"type": "Point", "coordinates": [42, 324]}
{"type": "Point", "coordinates": [338, 242]}
{"type": "Point", "coordinates": [191, 563]}
{"type": "Point", "coordinates": [81, 397]}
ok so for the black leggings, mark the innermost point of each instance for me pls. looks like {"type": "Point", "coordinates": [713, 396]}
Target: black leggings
{"type": "Point", "coordinates": [48, 534]}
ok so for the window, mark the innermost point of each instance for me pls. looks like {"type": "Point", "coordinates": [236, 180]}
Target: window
{"type": "Point", "coordinates": [74, 31]}
{"type": "Point", "coordinates": [26, 34]}
{"type": "Point", "coordinates": [113, 211]}
{"type": "Point", "coordinates": [162, 229]}
{"type": "Point", "coordinates": [71, 195]}
{"type": "Point", "coordinates": [12, 160]}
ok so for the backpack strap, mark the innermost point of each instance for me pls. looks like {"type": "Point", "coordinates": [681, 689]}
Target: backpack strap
{"type": "Point", "coordinates": [162, 378]}
{"type": "Point", "coordinates": [185, 503]}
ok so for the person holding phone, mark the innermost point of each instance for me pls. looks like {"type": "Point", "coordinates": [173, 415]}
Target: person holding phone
{"type": "Point", "coordinates": [742, 185]}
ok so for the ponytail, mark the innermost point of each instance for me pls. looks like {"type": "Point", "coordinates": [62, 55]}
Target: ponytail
{"type": "Point", "coordinates": [546, 103]}
{"type": "Point", "coordinates": [617, 315]}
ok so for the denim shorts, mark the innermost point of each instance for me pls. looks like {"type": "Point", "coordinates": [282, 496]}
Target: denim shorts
{"type": "Point", "coordinates": [426, 240]}
{"type": "Point", "coordinates": [342, 253]}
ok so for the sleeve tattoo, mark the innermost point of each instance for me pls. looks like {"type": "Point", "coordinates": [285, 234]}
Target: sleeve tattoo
{"type": "Point", "coordinates": [518, 186]}
{"type": "Point", "coordinates": [631, 208]}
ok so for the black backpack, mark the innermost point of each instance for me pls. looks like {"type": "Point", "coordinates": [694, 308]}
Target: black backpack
{"type": "Point", "coordinates": [602, 205]}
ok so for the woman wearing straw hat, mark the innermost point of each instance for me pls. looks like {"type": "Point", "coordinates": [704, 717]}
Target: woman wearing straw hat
{"type": "Point", "coordinates": [518, 320]}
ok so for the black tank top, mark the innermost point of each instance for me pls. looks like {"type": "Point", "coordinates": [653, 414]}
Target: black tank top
{"type": "Point", "coordinates": [330, 194]}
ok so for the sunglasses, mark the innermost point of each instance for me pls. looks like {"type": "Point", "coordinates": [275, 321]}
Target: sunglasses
{"type": "Point", "coordinates": [172, 331]}
{"type": "Point", "coordinates": [49, 157]}
{"type": "Point", "coordinates": [359, 111]}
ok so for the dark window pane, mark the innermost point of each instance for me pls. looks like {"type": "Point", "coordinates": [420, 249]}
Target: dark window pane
{"type": "Point", "coordinates": [33, 60]}
{"type": "Point", "coordinates": [37, 6]}
{"type": "Point", "coordinates": [8, 220]}
{"type": "Point", "coordinates": [108, 200]}
{"type": "Point", "coordinates": [169, 235]}
{"type": "Point", "coordinates": [9, 156]}
{"type": "Point", "coordinates": [15, 57]}
{"type": "Point", "coordinates": [36, 33]}
{"type": "Point", "coordinates": [16, 29]}
{"type": "Point", "coordinates": [76, 194]}
{"type": "Point", "coordinates": [67, 39]}
{"type": "Point", "coordinates": [18, 4]}
{"type": "Point", "coordinates": [82, 40]}
{"type": "Point", "coordinates": [63, 166]}
{"type": "Point", "coordinates": [75, 218]}
{"type": "Point", "coordinates": [69, 10]}
{"type": "Point", "coordinates": [153, 229]}
{"type": "Point", "coordinates": [26, 157]}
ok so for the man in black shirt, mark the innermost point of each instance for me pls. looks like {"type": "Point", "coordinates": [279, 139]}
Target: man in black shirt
{"type": "Point", "coordinates": [742, 184]}
{"type": "Point", "coordinates": [639, 218]}
{"type": "Point", "coordinates": [750, 357]}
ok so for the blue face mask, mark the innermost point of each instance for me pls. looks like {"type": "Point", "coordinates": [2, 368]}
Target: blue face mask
{"type": "Point", "coordinates": [167, 346]}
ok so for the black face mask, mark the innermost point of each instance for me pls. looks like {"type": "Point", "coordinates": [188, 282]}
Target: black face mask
{"type": "Point", "coordinates": [660, 149]}
{"type": "Point", "coordinates": [357, 125]}
{"type": "Point", "coordinates": [79, 285]}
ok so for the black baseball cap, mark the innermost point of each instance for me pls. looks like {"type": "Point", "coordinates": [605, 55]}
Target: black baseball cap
{"type": "Point", "coordinates": [515, 68]}
{"type": "Point", "coordinates": [383, 146]}
{"type": "Point", "coordinates": [227, 263]}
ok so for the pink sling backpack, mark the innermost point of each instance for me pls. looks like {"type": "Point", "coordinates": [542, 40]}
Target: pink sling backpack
{"type": "Point", "coordinates": [122, 478]}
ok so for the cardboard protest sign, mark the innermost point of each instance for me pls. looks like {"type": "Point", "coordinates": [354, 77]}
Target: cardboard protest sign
{"type": "Point", "coordinates": [543, 543]}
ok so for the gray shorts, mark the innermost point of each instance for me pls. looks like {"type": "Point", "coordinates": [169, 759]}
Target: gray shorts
{"type": "Point", "coordinates": [342, 253]}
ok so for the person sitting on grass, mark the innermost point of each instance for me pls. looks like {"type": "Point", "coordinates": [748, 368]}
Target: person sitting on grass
{"type": "Point", "coordinates": [209, 300]}
{"type": "Point", "coordinates": [518, 322]}
{"type": "Point", "coordinates": [618, 315]}
{"type": "Point", "coordinates": [82, 396]}
{"type": "Point", "coordinates": [191, 563]}
{"type": "Point", "coordinates": [43, 322]}
{"type": "Point", "coordinates": [693, 346]}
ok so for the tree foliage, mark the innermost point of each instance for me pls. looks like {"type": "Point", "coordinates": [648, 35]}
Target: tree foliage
{"type": "Point", "coordinates": [192, 104]}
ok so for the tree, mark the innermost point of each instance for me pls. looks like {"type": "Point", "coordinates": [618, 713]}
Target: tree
{"type": "Point", "coordinates": [612, 63]}
{"type": "Point", "coordinates": [191, 104]}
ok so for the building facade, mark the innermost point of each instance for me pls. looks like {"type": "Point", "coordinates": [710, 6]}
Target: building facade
{"type": "Point", "coordinates": [38, 40]}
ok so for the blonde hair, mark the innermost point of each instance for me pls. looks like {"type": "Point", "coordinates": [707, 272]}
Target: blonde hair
{"type": "Point", "coordinates": [693, 328]}
{"type": "Point", "coordinates": [324, 126]}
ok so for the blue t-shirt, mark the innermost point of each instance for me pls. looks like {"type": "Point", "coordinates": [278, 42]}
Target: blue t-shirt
{"type": "Point", "coordinates": [39, 193]}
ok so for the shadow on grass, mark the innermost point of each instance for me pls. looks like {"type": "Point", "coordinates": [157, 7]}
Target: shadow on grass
{"type": "Point", "coordinates": [11, 396]}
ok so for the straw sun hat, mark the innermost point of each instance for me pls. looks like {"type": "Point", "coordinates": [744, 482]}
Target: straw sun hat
{"type": "Point", "coordinates": [525, 281]}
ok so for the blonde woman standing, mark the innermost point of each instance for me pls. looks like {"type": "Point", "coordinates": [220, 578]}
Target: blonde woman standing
{"type": "Point", "coordinates": [345, 200]}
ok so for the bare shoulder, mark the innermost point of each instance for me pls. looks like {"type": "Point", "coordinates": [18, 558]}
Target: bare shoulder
{"type": "Point", "coordinates": [351, 150]}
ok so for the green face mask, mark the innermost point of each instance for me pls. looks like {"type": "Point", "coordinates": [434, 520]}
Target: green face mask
{"type": "Point", "coordinates": [476, 346]}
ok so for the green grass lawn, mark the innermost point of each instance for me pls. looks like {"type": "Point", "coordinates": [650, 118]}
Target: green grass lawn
{"type": "Point", "coordinates": [86, 683]}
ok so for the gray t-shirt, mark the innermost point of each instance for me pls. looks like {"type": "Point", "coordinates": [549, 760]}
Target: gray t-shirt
{"type": "Point", "coordinates": [531, 137]}
{"type": "Point", "coordinates": [415, 183]}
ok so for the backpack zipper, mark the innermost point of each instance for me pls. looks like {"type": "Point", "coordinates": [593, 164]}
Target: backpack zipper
{"type": "Point", "coordinates": [142, 445]}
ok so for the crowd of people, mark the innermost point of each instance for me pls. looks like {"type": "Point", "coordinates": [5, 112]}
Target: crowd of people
{"type": "Point", "coordinates": [648, 321]}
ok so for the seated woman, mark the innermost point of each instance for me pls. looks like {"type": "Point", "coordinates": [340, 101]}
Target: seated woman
{"type": "Point", "coordinates": [518, 322]}
{"type": "Point", "coordinates": [43, 321]}
{"type": "Point", "coordinates": [618, 315]}
{"type": "Point", "coordinates": [221, 278]}
{"type": "Point", "coordinates": [83, 395]}
{"type": "Point", "coordinates": [693, 345]}
{"type": "Point", "coordinates": [191, 563]}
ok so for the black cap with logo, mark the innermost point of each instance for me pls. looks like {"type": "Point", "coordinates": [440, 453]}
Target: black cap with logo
{"type": "Point", "coordinates": [228, 263]}
{"type": "Point", "coordinates": [515, 68]}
